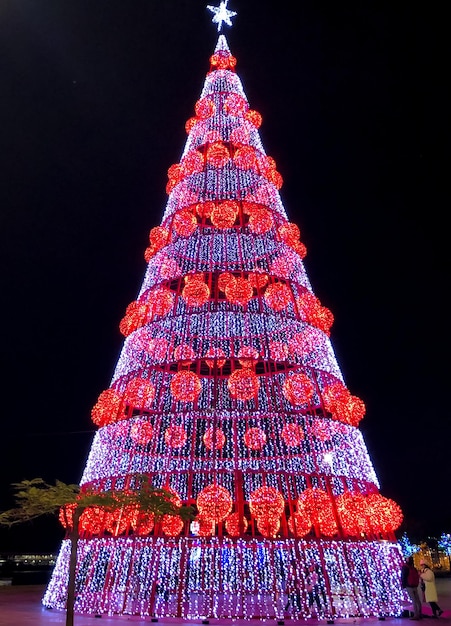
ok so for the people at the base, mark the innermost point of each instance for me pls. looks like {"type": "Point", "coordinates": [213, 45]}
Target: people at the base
{"type": "Point", "coordinates": [410, 579]}
{"type": "Point", "coordinates": [430, 589]}
{"type": "Point", "coordinates": [293, 588]}
{"type": "Point", "coordinates": [313, 588]}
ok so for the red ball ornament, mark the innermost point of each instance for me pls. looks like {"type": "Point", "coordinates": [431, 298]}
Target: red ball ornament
{"type": "Point", "coordinates": [385, 515]}
{"type": "Point", "coordinates": [244, 158]}
{"type": "Point", "coordinates": [275, 178]}
{"type": "Point", "coordinates": [184, 223]}
{"type": "Point", "coordinates": [214, 438]}
{"type": "Point", "coordinates": [278, 350]}
{"type": "Point", "coordinates": [109, 408]}
{"type": "Point", "coordinates": [117, 522]}
{"type": "Point", "coordinates": [239, 291]}
{"type": "Point", "coordinates": [278, 296]}
{"type": "Point", "coordinates": [141, 431]}
{"type": "Point", "coordinates": [343, 406]}
{"type": "Point", "coordinates": [174, 174]}
{"type": "Point", "coordinates": [224, 214]}
{"type": "Point", "coordinates": [355, 411]}
{"type": "Point", "coordinates": [215, 356]}
{"type": "Point", "coordinates": [214, 503]}
{"type": "Point", "coordinates": [224, 279]}
{"type": "Point", "coordinates": [257, 280]}
{"type": "Point", "coordinates": [217, 154]}
{"type": "Point", "coordinates": [194, 277]}
{"type": "Point", "coordinates": [311, 311]}
{"type": "Point", "coordinates": [222, 60]}
{"type": "Point", "coordinates": [232, 525]}
{"type": "Point", "coordinates": [205, 209]}
{"type": "Point", "coordinates": [205, 108]}
{"type": "Point", "coordinates": [289, 232]}
{"type": "Point", "coordinates": [66, 515]}
{"type": "Point", "coordinates": [299, 525]}
{"type": "Point", "coordinates": [254, 118]}
{"type": "Point", "coordinates": [298, 389]}
{"type": "Point", "coordinates": [323, 319]}
{"type": "Point", "coordinates": [260, 221]}
{"type": "Point", "coordinates": [184, 354]}
{"type": "Point", "coordinates": [205, 527]}
{"type": "Point", "coordinates": [171, 525]}
{"type": "Point", "coordinates": [196, 293]}
{"type": "Point", "coordinates": [175, 436]}
{"type": "Point", "coordinates": [142, 523]}
{"type": "Point", "coordinates": [190, 124]}
{"type": "Point", "coordinates": [268, 527]}
{"type": "Point", "coordinates": [92, 521]}
{"type": "Point", "coordinates": [254, 438]}
{"type": "Point", "coordinates": [266, 503]}
{"type": "Point", "coordinates": [173, 497]}
{"type": "Point", "coordinates": [316, 505]}
{"type": "Point", "coordinates": [148, 254]}
{"type": "Point", "coordinates": [354, 513]}
{"type": "Point", "coordinates": [293, 435]}
{"type": "Point", "coordinates": [158, 238]}
{"type": "Point", "coordinates": [192, 163]}
{"type": "Point", "coordinates": [186, 386]}
{"type": "Point", "coordinates": [243, 384]}
{"type": "Point", "coordinates": [139, 393]}
{"type": "Point", "coordinates": [248, 356]}
{"type": "Point", "coordinates": [267, 164]}
{"type": "Point", "coordinates": [334, 394]}
{"type": "Point", "coordinates": [300, 249]}
{"type": "Point", "coordinates": [135, 316]}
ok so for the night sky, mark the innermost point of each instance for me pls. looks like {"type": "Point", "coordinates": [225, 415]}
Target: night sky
{"type": "Point", "coordinates": [95, 95]}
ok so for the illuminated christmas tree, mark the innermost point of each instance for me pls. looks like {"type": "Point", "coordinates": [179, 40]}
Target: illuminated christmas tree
{"type": "Point", "coordinates": [227, 393]}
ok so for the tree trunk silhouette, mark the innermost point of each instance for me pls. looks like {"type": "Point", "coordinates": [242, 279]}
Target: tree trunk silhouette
{"type": "Point", "coordinates": [73, 536]}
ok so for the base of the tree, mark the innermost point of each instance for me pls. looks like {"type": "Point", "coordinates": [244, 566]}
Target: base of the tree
{"type": "Point", "coordinates": [227, 578]}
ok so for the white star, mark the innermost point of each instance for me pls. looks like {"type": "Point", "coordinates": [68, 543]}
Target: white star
{"type": "Point", "coordinates": [221, 14]}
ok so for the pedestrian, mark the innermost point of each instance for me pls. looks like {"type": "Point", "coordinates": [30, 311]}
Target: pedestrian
{"type": "Point", "coordinates": [313, 588]}
{"type": "Point", "coordinates": [293, 589]}
{"type": "Point", "coordinates": [430, 591]}
{"type": "Point", "coordinates": [410, 579]}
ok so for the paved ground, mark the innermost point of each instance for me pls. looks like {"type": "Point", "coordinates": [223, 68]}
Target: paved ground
{"type": "Point", "coordinates": [21, 606]}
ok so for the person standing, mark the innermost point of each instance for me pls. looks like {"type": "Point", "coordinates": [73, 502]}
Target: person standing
{"type": "Point", "coordinates": [410, 579]}
{"type": "Point", "coordinates": [430, 591]}
{"type": "Point", "coordinates": [293, 589]}
{"type": "Point", "coordinates": [313, 589]}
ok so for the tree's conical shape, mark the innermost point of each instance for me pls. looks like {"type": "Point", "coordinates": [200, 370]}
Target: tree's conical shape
{"type": "Point", "coordinates": [228, 393]}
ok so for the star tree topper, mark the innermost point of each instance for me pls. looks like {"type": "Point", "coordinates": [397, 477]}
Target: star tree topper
{"type": "Point", "coordinates": [221, 14]}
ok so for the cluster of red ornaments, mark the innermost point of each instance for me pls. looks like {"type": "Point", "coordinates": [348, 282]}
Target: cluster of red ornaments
{"type": "Point", "coordinates": [243, 385]}
{"type": "Point", "coordinates": [238, 290]}
{"type": "Point", "coordinates": [354, 514]}
{"type": "Point", "coordinates": [96, 520]}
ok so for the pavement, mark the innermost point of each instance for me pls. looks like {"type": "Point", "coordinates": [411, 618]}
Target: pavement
{"type": "Point", "coordinates": [21, 606]}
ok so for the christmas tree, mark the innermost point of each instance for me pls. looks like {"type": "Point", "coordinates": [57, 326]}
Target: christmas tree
{"type": "Point", "coordinates": [227, 393]}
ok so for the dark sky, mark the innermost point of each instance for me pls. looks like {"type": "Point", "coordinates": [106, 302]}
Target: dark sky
{"type": "Point", "coordinates": [95, 95]}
